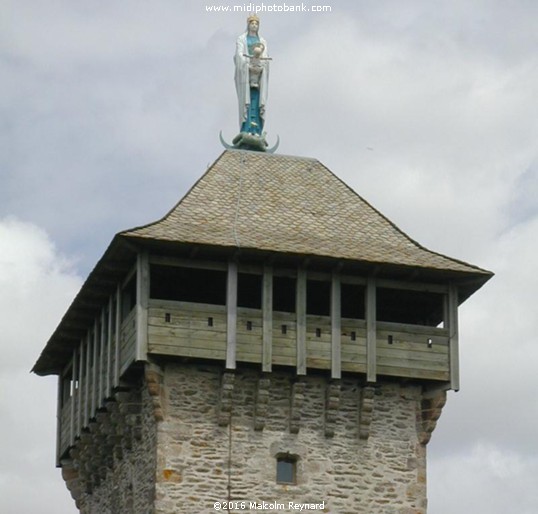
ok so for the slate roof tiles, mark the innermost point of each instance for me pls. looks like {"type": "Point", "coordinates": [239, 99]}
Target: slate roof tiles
{"type": "Point", "coordinates": [288, 204]}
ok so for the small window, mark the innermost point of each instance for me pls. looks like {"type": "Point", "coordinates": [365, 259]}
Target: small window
{"type": "Point", "coordinates": [286, 469]}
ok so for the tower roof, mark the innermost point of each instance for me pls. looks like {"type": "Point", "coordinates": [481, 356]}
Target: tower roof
{"type": "Point", "coordinates": [276, 203]}
{"type": "Point", "coordinates": [264, 205]}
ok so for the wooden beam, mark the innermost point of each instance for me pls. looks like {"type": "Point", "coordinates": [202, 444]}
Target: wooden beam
{"type": "Point", "coordinates": [69, 335]}
{"type": "Point", "coordinates": [118, 266]}
{"type": "Point", "coordinates": [285, 272]}
{"type": "Point", "coordinates": [322, 276]}
{"type": "Point", "coordinates": [371, 332]}
{"type": "Point", "coordinates": [415, 286]}
{"type": "Point", "coordinates": [142, 299]}
{"type": "Point", "coordinates": [95, 366]}
{"type": "Point", "coordinates": [129, 275]}
{"type": "Point", "coordinates": [350, 279]}
{"type": "Point", "coordinates": [300, 312]}
{"type": "Point", "coordinates": [87, 381]}
{"type": "Point", "coordinates": [446, 312]}
{"type": "Point", "coordinates": [453, 337]}
{"type": "Point", "coordinates": [81, 380]}
{"type": "Point", "coordinates": [267, 315]}
{"type": "Point", "coordinates": [336, 326]}
{"type": "Point", "coordinates": [253, 269]}
{"type": "Point", "coordinates": [117, 338]}
{"type": "Point", "coordinates": [108, 381]}
{"type": "Point", "coordinates": [231, 315]}
{"type": "Point", "coordinates": [59, 419]}
{"type": "Point", "coordinates": [186, 263]}
{"type": "Point", "coordinates": [100, 283]}
{"type": "Point", "coordinates": [72, 393]}
{"type": "Point", "coordinates": [102, 358]}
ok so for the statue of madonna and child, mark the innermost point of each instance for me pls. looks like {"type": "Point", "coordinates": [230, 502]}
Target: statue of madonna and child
{"type": "Point", "coordinates": [251, 83]}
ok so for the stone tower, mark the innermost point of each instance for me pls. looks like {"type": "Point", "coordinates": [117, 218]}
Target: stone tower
{"type": "Point", "coordinates": [273, 340]}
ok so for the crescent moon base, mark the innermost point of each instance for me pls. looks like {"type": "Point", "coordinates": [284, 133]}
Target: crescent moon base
{"type": "Point", "coordinates": [248, 141]}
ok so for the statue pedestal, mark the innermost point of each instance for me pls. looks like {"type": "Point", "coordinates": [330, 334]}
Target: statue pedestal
{"type": "Point", "coordinates": [246, 141]}
{"type": "Point", "coordinates": [252, 142]}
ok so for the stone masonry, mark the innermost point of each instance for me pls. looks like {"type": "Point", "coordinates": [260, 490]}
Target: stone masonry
{"type": "Point", "coordinates": [205, 435]}
{"type": "Point", "coordinates": [375, 465]}
{"type": "Point", "coordinates": [127, 484]}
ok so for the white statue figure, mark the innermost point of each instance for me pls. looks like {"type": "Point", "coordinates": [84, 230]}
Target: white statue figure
{"type": "Point", "coordinates": [255, 65]}
{"type": "Point", "coordinates": [251, 77]}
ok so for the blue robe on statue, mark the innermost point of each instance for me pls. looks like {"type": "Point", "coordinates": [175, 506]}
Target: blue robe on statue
{"type": "Point", "coordinates": [254, 122]}
{"type": "Point", "coordinates": [251, 99]}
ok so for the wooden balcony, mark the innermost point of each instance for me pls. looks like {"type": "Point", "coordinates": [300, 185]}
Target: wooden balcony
{"type": "Point", "coordinates": [133, 325]}
{"type": "Point", "coordinates": [200, 330]}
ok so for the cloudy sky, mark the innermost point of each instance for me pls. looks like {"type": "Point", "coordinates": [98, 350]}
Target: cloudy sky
{"type": "Point", "coordinates": [109, 111]}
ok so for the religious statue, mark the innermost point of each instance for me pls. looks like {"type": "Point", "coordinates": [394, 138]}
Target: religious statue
{"type": "Point", "coordinates": [251, 82]}
{"type": "Point", "coordinates": [251, 77]}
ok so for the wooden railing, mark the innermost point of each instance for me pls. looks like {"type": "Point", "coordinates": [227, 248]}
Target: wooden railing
{"type": "Point", "coordinates": [199, 330]}
{"type": "Point", "coordinates": [412, 351]}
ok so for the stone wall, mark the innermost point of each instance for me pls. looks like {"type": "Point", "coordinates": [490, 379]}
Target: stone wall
{"type": "Point", "coordinates": [357, 448]}
{"type": "Point", "coordinates": [128, 487]}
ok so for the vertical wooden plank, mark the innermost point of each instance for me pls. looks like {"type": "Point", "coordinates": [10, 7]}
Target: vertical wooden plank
{"type": "Point", "coordinates": [267, 314]}
{"type": "Point", "coordinates": [59, 420]}
{"type": "Point", "coordinates": [231, 315]}
{"type": "Point", "coordinates": [108, 376]}
{"type": "Point", "coordinates": [95, 345]}
{"type": "Point", "coordinates": [88, 380]}
{"type": "Point", "coordinates": [371, 333]}
{"type": "Point", "coordinates": [453, 337]}
{"type": "Point", "coordinates": [300, 311]}
{"type": "Point", "coordinates": [117, 338]}
{"type": "Point", "coordinates": [142, 301]}
{"type": "Point", "coordinates": [446, 311]}
{"type": "Point", "coordinates": [102, 358]}
{"type": "Point", "coordinates": [336, 326]}
{"type": "Point", "coordinates": [72, 392]}
{"type": "Point", "coordinates": [81, 380]}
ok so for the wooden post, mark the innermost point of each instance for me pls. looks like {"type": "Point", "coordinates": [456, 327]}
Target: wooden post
{"type": "Point", "coordinates": [81, 380]}
{"type": "Point", "coordinates": [453, 337]}
{"type": "Point", "coordinates": [371, 333]}
{"type": "Point", "coordinates": [72, 392]}
{"type": "Point", "coordinates": [88, 380]}
{"type": "Point", "coordinates": [267, 314]}
{"type": "Point", "coordinates": [336, 326]}
{"type": "Point", "coordinates": [300, 312]}
{"type": "Point", "coordinates": [117, 339]}
{"type": "Point", "coordinates": [59, 420]}
{"type": "Point", "coordinates": [231, 315]}
{"type": "Point", "coordinates": [446, 310]}
{"type": "Point", "coordinates": [94, 370]}
{"type": "Point", "coordinates": [142, 300]}
{"type": "Point", "coordinates": [102, 358]}
{"type": "Point", "coordinates": [108, 381]}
